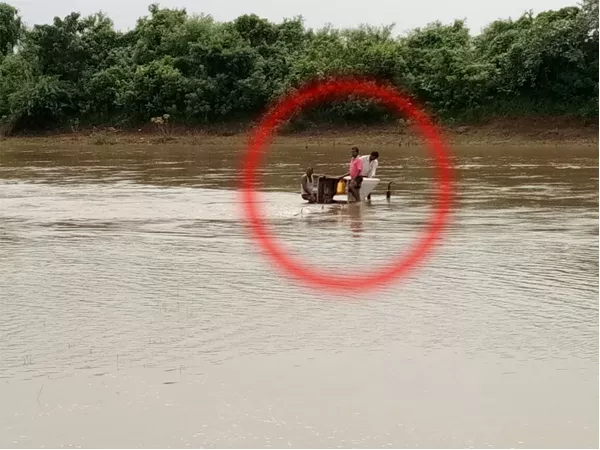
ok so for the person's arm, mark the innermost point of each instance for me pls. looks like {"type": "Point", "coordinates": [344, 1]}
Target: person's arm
{"type": "Point", "coordinates": [347, 174]}
{"type": "Point", "coordinates": [305, 185]}
{"type": "Point", "coordinates": [373, 169]}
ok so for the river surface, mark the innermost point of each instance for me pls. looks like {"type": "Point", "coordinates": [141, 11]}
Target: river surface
{"type": "Point", "coordinates": [135, 311]}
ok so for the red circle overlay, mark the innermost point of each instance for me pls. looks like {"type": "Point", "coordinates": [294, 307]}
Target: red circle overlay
{"type": "Point", "coordinates": [329, 90]}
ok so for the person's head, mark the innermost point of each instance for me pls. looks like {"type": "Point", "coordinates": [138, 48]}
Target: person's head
{"type": "Point", "coordinates": [355, 152]}
{"type": "Point", "coordinates": [374, 156]}
{"type": "Point", "coordinates": [309, 171]}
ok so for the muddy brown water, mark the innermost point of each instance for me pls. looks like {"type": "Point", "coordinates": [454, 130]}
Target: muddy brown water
{"type": "Point", "coordinates": [135, 311]}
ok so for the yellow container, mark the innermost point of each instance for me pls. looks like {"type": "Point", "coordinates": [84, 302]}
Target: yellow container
{"type": "Point", "coordinates": [341, 187]}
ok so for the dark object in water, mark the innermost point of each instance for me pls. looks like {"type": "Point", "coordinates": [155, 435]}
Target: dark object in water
{"type": "Point", "coordinates": [326, 189]}
{"type": "Point", "coordinates": [388, 193]}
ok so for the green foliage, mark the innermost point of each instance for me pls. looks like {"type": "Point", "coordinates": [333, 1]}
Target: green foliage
{"type": "Point", "coordinates": [550, 60]}
{"type": "Point", "coordinates": [10, 29]}
{"type": "Point", "coordinates": [196, 70]}
{"type": "Point", "coordinates": [445, 70]}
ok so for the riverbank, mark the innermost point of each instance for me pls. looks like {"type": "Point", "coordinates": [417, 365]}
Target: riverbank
{"type": "Point", "coordinates": [541, 131]}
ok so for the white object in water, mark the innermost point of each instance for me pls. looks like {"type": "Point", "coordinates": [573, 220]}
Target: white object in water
{"type": "Point", "coordinates": [368, 185]}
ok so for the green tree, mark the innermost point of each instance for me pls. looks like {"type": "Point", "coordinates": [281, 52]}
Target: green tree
{"type": "Point", "coordinates": [154, 33]}
{"type": "Point", "coordinates": [199, 70]}
{"type": "Point", "coordinates": [443, 69]}
{"type": "Point", "coordinates": [545, 61]}
{"type": "Point", "coordinates": [156, 88]}
{"type": "Point", "coordinates": [10, 28]}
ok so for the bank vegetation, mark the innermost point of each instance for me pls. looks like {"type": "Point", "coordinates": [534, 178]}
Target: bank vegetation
{"type": "Point", "coordinates": [177, 71]}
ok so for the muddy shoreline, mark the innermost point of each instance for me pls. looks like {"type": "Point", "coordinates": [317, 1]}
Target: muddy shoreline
{"type": "Point", "coordinates": [541, 131]}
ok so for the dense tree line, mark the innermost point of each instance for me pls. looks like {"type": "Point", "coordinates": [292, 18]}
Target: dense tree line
{"type": "Point", "coordinates": [199, 71]}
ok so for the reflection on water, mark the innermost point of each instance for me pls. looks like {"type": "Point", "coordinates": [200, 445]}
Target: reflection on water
{"type": "Point", "coordinates": [130, 295]}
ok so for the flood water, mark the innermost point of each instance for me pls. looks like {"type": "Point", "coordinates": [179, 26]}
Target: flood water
{"type": "Point", "coordinates": [136, 311]}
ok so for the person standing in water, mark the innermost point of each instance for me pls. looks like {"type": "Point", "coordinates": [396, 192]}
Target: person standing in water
{"type": "Point", "coordinates": [307, 190]}
{"type": "Point", "coordinates": [356, 175]}
{"type": "Point", "coordinates": [369, 164]}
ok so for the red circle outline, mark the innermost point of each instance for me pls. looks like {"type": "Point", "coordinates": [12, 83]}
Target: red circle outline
{"type": "Point", "coordinates": [307, 96]}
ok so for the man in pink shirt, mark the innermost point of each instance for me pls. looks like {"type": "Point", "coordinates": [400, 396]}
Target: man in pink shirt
{"type": "Point", "coordinates": [356, 166]}
{"type": "Point", "coordinates": [356, 175]}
